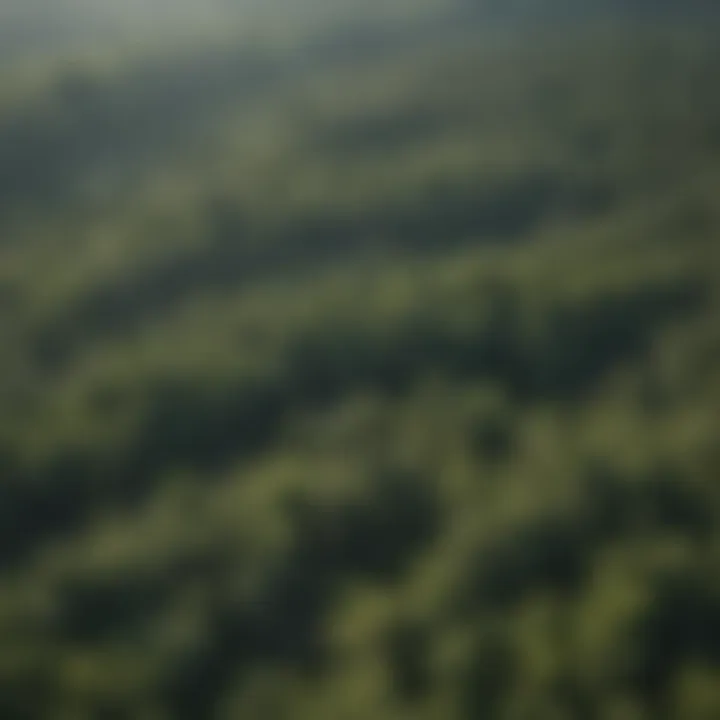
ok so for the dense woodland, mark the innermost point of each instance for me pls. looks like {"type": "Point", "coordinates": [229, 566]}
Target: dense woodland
{"type": "Point", "coordinates": [370, 372]}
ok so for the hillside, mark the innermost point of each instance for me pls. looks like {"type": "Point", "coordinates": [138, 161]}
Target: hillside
{"type": "Point", "coordinates": [370, 373]}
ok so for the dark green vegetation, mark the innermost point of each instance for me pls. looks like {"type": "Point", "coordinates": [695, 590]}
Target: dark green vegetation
{"type": "Point", "coordinates": [374, 377]}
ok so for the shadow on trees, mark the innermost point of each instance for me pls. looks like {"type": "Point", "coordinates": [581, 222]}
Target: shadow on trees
{"type": "Point", "coordinates": [205, 427]}
{"type": "Point", "coordinates": [237, 253]}
{"type": "Point", "coordinates": [374, 536]}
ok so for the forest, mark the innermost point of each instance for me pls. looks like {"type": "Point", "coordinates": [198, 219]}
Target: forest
{"type": "Point", "coordinates": [360, 360]}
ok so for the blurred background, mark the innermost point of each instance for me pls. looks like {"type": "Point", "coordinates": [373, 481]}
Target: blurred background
{"type": "Point", "coordinates": [359, 360]}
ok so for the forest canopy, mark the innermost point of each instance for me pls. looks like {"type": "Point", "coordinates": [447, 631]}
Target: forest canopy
{"type": "Point", "coordinates": [359, 361]}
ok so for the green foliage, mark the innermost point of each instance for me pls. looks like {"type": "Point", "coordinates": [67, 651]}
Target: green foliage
{"type": "Point", "coordinates": [374, 378]}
